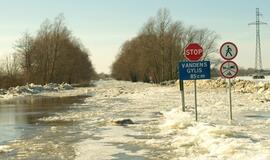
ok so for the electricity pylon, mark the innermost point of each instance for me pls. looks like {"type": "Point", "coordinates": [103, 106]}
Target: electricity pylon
{"type": "Point", "coordinates": [258, 56]}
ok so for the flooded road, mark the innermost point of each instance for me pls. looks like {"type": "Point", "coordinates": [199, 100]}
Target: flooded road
{"type": "Point", "coordinates": [85, 128]}
{"type": "Point", "coordinates": [30, 138]}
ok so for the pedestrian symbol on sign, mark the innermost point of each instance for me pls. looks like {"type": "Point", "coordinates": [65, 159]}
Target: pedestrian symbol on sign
{"type": "Point", "coordinates": [229, 69]}
{"type": "Point", "coordinates": [229, 50]}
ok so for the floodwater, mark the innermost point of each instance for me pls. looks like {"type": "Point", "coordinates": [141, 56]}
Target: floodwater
{"type": "Point", "coordinates": [30, 138]}
{"type": "Point", "coordinates": [82, 128]}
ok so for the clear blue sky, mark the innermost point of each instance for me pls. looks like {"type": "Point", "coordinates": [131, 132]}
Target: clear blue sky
{"type": "Point", "coordinates": [104, 25]}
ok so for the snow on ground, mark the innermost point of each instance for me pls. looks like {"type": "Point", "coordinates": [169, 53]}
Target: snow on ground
{"type": "Point", "coordinates": [239, 85]}
{"type": "Point", "coordinates": [249, 78]}
{"type": "Point", "coordinates": [51, 89]}
{"type": "Point", "coordinates": [163, 131]}
{"type": "Point", "coordinates": [4, 148]}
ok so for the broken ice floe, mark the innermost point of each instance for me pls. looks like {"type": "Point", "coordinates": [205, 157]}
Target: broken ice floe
{"type": "Point", "coordinates": [31, 89]}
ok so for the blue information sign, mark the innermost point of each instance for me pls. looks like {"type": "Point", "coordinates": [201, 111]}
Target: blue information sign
{"type": "Point", "coordinates": [194, 70]}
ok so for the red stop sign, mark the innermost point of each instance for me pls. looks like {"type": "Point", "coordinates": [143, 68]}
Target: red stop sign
{"type": "Point", "coordinates": [193, 52]}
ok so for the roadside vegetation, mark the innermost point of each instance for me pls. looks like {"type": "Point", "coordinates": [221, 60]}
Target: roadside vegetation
{"type": "Point", "coordinates": [153, 55]}
{"type": "Point", "coordinates": [53, 55]}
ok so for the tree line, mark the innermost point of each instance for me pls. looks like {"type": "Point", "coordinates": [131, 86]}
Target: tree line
{"type": "Point", "coordinates": [53, 55]}
{"type": "Point", "coordinates": [153, 55]}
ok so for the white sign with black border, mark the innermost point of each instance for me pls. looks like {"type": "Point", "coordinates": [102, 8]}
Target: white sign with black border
{"type": "Point", "coordinates": [228, 51]}
{"type": "Point", "coordinates": [229, 69]}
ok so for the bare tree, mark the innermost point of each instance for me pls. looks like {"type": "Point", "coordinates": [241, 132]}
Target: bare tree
{"type": "Point", "coordinates": [24, 49]}
{"type": "Point", "coordinates": [54, 55]}
{"type": "Point", "coordinates": [11, 66]}
{"type": "Point", "coordinates": [154, 54]}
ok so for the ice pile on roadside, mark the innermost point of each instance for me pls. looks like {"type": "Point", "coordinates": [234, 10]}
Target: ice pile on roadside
{"type": "Point", "coordinates": [31, 89]}
{"type": "Point", "coordinates": [238, 85]}
{"type": "Point", "coordinates": [246, 86]}
{"type": "Point", "coordinates": [213, 83]}
{"type": "Point", "coordinates": [176, 119]}
{"type": "Point", "coordinates": [5, 148]}
{"type": "Point", "coordinates": [201, 140]}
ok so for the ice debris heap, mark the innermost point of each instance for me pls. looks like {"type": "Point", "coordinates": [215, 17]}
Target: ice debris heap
{"type": "Point", "coordinates": [238, 85]}
{"type": "Point", "coordinates": [30, 89]}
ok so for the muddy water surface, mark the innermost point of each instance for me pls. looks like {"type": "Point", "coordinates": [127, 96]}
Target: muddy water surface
{"type": "Point", "coordinates": [24, 136]}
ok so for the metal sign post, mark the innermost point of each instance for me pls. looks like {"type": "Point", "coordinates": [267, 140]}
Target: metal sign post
{"type": "Point", "coordinates": [195, 96]}
{"type": "Point", "coordinates": [194, 71]}
{"type": "Point", "coordinates": [229, 69]}
{"type": "Point", "coordinates": [181, 84]}
{"type": "Point", "coordinates": [230, 98]}
{"type": "Point", "coordinates": [193, 53]}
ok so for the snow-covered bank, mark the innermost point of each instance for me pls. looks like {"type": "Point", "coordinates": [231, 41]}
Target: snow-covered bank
{"type": "Point", "coordinates": [238, 85]}
{"type": "Point", "coordinates": [51, 89]}
{"type": "Point", "coordinates": [204, 140]}
{"type": "Point", "coordinates": [250, 78]}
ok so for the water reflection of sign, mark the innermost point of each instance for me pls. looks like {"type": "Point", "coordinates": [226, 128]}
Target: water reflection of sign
{"type": "Point", "coordinates": [229, 69]}
{"type": "Point", "coordinates": [228, 51]}
{"type": "Point", "coordinates": [194, 70]}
